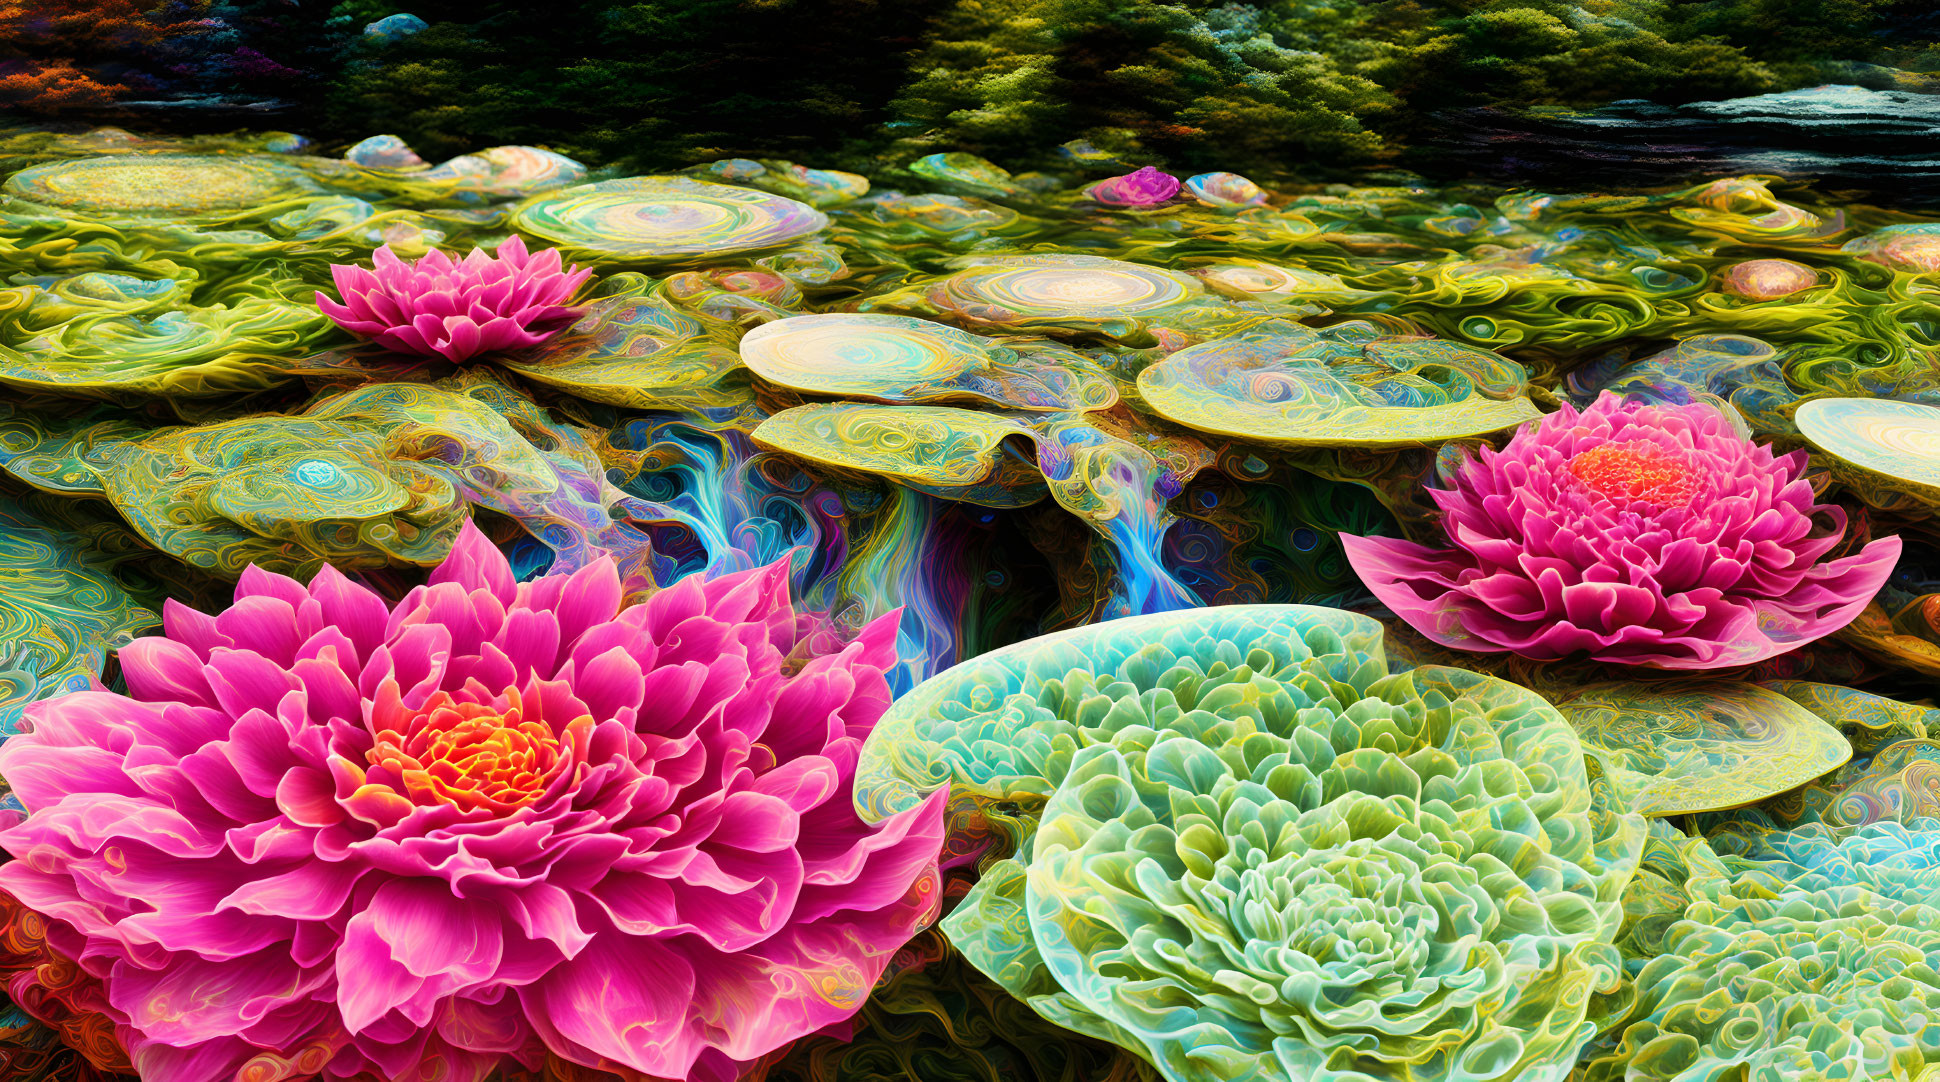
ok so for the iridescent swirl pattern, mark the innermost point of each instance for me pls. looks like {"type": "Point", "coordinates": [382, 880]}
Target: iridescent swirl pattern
{"type": "Point", "coordinates": [159, 185]}
{"type": "Point", "coordinates": [1899, 442]}
{"type": "Point", "coordinates": [1063, 295]}
{"type": "Point", "coordinates": [1284, 384]}
{"type": "Point", "coordinates": [903, 360]}
{"type": "Point", "coordinates": [654, 218]}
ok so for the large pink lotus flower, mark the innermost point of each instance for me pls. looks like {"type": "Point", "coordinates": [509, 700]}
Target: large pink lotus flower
{"type": "Point", "coordinates": [328, 837]}
{"type": "Point", "coordinates": [1635, 534]}
{"type": "Point", "coordinates": [456, 310]}
{"type": "Point", "coordinates": [1142, 188]}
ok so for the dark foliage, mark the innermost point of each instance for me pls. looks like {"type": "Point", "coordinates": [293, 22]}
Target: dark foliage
{"type": "Point", "coordinates": [1263, 87]}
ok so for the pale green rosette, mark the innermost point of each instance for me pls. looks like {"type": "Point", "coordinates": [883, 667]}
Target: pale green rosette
{"type": "Point", "coordinates": [1260, 855]}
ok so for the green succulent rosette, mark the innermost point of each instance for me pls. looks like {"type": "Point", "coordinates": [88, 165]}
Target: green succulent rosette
{"type": "Point", "coordinates": [1244, 849]}
{"type": "Point", "coordinates": [1810, 955]}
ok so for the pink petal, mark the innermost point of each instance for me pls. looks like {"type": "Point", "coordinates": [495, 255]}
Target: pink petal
{"type": "Point", "coordinates": [477, 564]}
{"type": "Point", "coordinates": [626, 999]}
{"type": "Point", "coordinates": [412, 946]}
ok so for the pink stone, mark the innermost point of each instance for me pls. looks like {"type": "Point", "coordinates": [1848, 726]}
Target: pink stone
{"type": "Point", "coordinates": [1767, 279]}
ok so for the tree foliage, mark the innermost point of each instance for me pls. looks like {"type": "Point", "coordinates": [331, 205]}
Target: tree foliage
{"type": "Point", "coordinates": [1262, 86]}
{"type": "Point", "coordinates": [63, 56]}
{"type": "Point", "coordinates": [652, 82]}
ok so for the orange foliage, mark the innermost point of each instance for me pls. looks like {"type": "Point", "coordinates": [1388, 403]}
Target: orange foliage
{"type": "Point", "coordinates": [52, 52]}
{"type": "Point", "coordinates": [56, 85]}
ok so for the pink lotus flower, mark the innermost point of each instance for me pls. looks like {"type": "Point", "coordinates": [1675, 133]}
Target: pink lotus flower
{"type": "Point", "coordinates": [328, 837]}
{"type": "Point", "coordinates": [1143, 188]}
{"type": "Point", "coordinates": [1641, 535]}
{"type": "Point", "coordinates": [456, 310]}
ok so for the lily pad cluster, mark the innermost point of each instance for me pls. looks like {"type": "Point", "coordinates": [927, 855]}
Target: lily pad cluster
{"type": "Point", "coordinates": [661, 218]}
{"type": "Point", "coordinates": [1284, 384]}
{"type": "Point", "coordinates": [1236, 843]}
{"type": "Point", "coordinates": [381, 474]}
{"type": "Point", "coordinates": [1098, 439]}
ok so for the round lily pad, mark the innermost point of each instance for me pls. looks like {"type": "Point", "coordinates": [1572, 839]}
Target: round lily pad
{"type": "Point", "coordinates": [1897, 441]}
{"type": "Point", "coordinates": [1291, 386]}
{"type": "Point", "coordinates": [159, 184]}
{"type": "Point", "coordinates": [638, 349]}
{"type": "Point", "coordinates": [1061, 294]}
{"type": "Point", "coordinates": [896, 216]}
{"type": "Point", "coordinates": [1252, 279]}
{"type": "Point", "coordinates": [967, 172]}
{"type": "Point", "coordinates": [513, 172]}
{"type": "Point", "coordinates": [1076, 287]}
{"type": "Point", "coordinates": [1767, 279]}
{"type": "Point", "coordinates": [816, 187]}
{"type": "Point", "coordinates": [1226, 190]}
{"type": "Point", "coordinates": [665, 217]}
{"type": "Point", "coordinates": [939, 449]}
{"type": "Point", "coordinates": [905, 360]}
{"type": "Point", "coordinates": [1696, 746]}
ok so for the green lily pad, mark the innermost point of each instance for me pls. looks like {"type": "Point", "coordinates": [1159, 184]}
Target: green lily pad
{"type": "Point", "coordinates": [640, 350]}
{"type": "Point", "coordinates": [902, 360]}
{"type": "Point", "coordinates": [1254, 280]}
{"type": "Point", "coordinates": [383, 474]}
{"type": "Point", "coordinates": [102, 335]}
{"type": "Point", "coordinates": [64, 610]}
{"type": "Point", "coordinates": [1287, 385]}
{"type": "Point", "coordinates": [942, 450]}
{"type": "Point", "coordinates": [1680, 747]}
{"type": "Point", "coordinates": [653, 218]}
{"type": "Point", "coordinates": [1067, 295]}
{"type": "Point", "coordinates": [1896, 445]}
{"type": "Point", "coordinates": [161, 184]}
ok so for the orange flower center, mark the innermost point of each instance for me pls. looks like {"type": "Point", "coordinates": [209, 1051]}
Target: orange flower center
{"type": "Point", "coordinates": [1636, 471]}
{"type": "Point", "coordinates": [473, 755]}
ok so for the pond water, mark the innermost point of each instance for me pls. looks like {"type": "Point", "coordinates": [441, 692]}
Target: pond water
{"type": "Point", "coordinates": [1878, 144]}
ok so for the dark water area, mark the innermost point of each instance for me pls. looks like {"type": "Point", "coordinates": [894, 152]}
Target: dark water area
{"type": "Point", "coordinates": [1848, 144]}
{"type": "Point", "coordinates": [1874, 146]}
